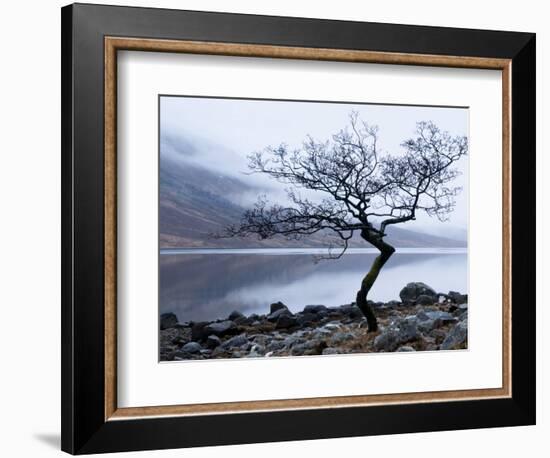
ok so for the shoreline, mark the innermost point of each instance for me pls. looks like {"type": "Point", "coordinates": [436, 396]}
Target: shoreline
{"type": "Point", "coordinates": [422, 320]}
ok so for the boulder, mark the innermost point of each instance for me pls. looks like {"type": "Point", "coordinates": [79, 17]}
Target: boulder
{"type": "Point", "coordinates": [197, 331]}
{"type": "Point", "coordinates": [275, 345]}
{"type": "Point", "coordinates": [426, 326]}
{"type": "Point", "coordinates": [406, 348]}
{"type": "Point", "coordinates": [234, 315]}
{"type": "Point", "coordinates": [236, 341]}
{"type": "Point", "coordinates": [315, 309]}
{"type": "Point", "coordinates": [340, 337]}
{"type": "Point", "coordinates": [330, 351]}
{"type": "Point", "coordinates": [442, 317]}
{"type": "Point", "coordinates": [429, 320]}
{"type": "Point", "coordinates": [256, 351]}
{"type": "Point", "coordinates": [285, 321]}
{"type": "Point", "coordinates": [168, 320]}
{"type": "Point", "coordinates": [213, 341]}
{"type": "Point", "coordinates": [293, 339]}
{"type": "Point", "coordinates": [220, 328]}
{"type": "Point", "coordinates": [351, 311]}
{"type": "Point", "coordinates": [456, 337]}
{"type": "Point", "coordinates": [277, 306]}
{"type": "Point", "coordinates": [304, 319]}
{"type": "Point", "coordinates": [457, 298]}
{"type": "Point", "coordinates": [393, 304]}
{"type": "Point", "coordinates": [410, 293]}
{"type": "Point", "coordinates": [298, 350]}
{"type": "Point", "coordinates": [273, 317]}
{"type": "Point", "coordinates": [461, 310]}
{"type": "Point", "coordinates": [438, 335]}
{"type": "Point", "coordinates": [424, 299]}
{"type": "Point", "coordinates": [399, 333]}
{"type": "Point", "coordinates": [191, 347]}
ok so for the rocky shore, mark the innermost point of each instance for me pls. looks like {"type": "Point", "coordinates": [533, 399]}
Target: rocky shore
{"type": "Point", "coordinates": [422, 320]}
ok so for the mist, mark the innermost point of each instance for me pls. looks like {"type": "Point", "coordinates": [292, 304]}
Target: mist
{"type": "Point", "coordinates": [219, 134]}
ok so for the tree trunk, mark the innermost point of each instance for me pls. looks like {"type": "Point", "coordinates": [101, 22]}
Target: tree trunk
{"type": "Point", "coordinates": [386, 250]}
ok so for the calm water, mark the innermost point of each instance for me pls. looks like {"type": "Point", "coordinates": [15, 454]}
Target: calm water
{"type": "Point", "coordinates": [206, 284]}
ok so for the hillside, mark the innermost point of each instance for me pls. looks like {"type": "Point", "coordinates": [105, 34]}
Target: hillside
{"type": "Point", "coordinates": [196, 203]}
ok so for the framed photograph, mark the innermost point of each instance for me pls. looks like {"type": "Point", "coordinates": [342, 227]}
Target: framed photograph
{"type": "Point", "coordinates": [282, 228]}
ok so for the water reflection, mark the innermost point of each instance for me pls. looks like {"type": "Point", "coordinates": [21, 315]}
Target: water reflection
{"type": "Point", "coordinates": [210, 286]}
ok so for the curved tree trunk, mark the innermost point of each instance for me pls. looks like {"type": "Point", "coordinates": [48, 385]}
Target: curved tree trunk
{"type": "Point", "coordinates": [386, 250]}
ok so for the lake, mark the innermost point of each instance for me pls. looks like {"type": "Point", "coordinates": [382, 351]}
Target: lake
{"type": "Point", "coordinates": [207, 284]}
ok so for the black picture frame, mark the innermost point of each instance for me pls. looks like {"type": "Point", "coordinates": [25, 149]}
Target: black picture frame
{"type": "Point", "coordinates": [84, 428]}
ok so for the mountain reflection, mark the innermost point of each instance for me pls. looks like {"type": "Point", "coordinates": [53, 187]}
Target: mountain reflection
{"type": "Point", "coordinates": [210, 286]}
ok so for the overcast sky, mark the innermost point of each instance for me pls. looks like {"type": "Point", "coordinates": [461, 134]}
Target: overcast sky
{"type": "Point", "coordinates": [218, 134]}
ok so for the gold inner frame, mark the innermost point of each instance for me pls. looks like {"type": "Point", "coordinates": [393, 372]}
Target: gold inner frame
{"type": "Point", "coordinates": [114, 44]}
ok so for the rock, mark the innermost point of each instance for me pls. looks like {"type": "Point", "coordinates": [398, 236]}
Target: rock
{"type": "Point", "coordinates": [304, 319]}
{"type": "Point", "coordinates": [277, 306]}
{"type": "Point", "coordinates": [352, 311]}
{"type": "Point", "coordinates": [275, 345]}
{"type": "Point", "coordinates": [191, 347]}
{"type": "Point", "coordinates": [315, 347]}
{"type": "Point", "coordinates": [406, 348]}
{"type": "Point", "coordinates": [292, 340]}
{"type": "Point", "coordinates": [315, 309]}
{"type": "Point", "coordinates": [259, 339]}
{"type": "Point", "coordinates": [180, 339]}
{"type": "Point", "coordinates": [213, 341]}
{"type": "Point", "coordinates": [428, 320]}
{"type": "Point", "coordinates": [332, 326]}
{"type": "Point", "coordinates": [410, 293]}
{"type": "Point", "coordinates": [256, 351]}
{"type": "Point", "coordinates": [220, 328]}
{"type": "Point", "coordinates": [440, 317]}
{"type": "Point", "coordinates": [285, 321]}
{"type": "Point", "coordinates": [234, 315]}
{"type": "Point", "coordinates": [423, 299]}
{"type": "Point", "coordinates": [298, 350]}
{"type": "Point", "coordinates": [273, 317]}
{"type": "Point", "coordinates": [421, 315]}
{"type": "Point", "coordinates": [168, 320]}
{"type": "Point", "coordinates": [408, 328]}
{"type": "Point", "coordinates": [235, 341]}
{"type": "Point", "coordinates": [330, 351]}
{"type": "Point", "coordinates": [399, 333]}
{"type": "Point", "coordinates": [242, 321]}
{"type": "Point", "coordinates": [457, 298]}
{"type": "Point", "coordinates": [461, 309]}
{"type": "Point", "coordinates": [197, 331]}
{"type": "Point", "coordinates": [392, 304]}
{"type": "Point", "coordinates": [340, 337]}
{"type": "Point", "coordinates": [426, 326]}
{"type": "Point", "coordinates": [438, 335]}
{"type": "Point", "coordinates": [456, 337]}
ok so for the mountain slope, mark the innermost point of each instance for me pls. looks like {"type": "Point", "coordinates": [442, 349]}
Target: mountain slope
{"type": "Point", "coordinates": [196, 203]}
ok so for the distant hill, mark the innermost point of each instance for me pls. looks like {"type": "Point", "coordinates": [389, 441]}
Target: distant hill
{"type": "Point", "coordinates": [194, 204]}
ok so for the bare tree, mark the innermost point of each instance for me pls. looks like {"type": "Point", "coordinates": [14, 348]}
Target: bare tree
{"type": "Point", "coordinates": [360, 190]}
